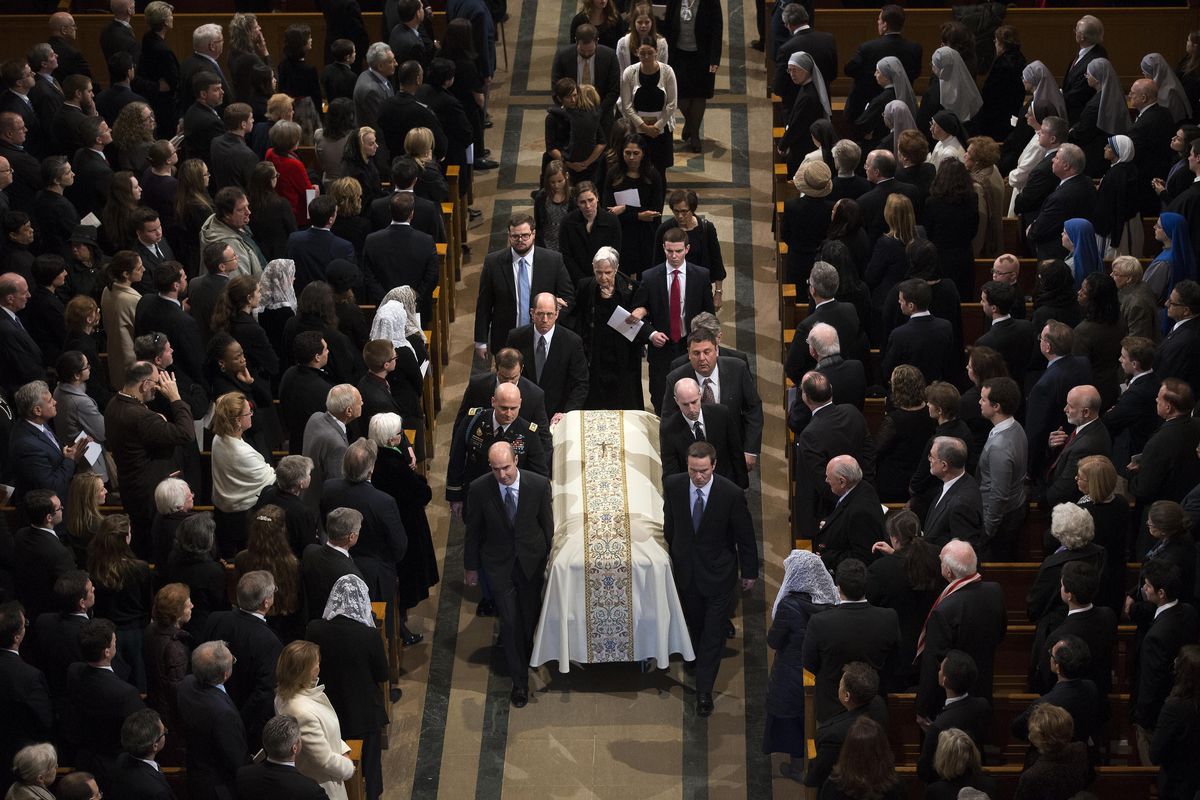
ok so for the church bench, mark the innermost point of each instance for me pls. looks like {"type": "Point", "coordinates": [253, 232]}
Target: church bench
{"type": "Point", "coordinates": [1017, 578]}
{"type": "Point", "coordinates": [1112, 783]}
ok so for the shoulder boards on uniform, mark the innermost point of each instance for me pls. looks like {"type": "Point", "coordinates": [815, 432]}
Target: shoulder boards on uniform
{"type": "Point", "coordinates": [474, 411]}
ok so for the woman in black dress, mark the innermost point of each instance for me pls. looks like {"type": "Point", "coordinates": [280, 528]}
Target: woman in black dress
{"type": "Point", "coordinates": [585, 230]}
{"type": "Point", "coordinates": [1054, 295]}
{"type": "Point", "coordinates": [614, 362]}
{"type": "Point", "coordinates": [695, 30]}
{"type": "Point", "coordinates": [1118, 213]}
{"type": "Point", "coordinates": [951, 222]}
{"type": "Point", "coordinates": [226, 371]}
{"type": "Point", "coordinates": [1098, 336]}
{"type": "Point", "coordinates": [191, 563]}
{"type": "Point", "coordinates": [233, 314]}
{"type": "Point", "coordinates": [703, 246]}
{"type": "Point", "coordinates": [158, 66]}
{"type": "Point", "coordinates": [358, 162]}
{"type": "Point", "coordinates": [122, 590]}
{"type": "Point", "coordinates": [1003, 90]}
{"type": "Point", "coordinates": [1177, 734]}
{"type": "Point", "coordinates": [297, 77]}
{"type": "Point", "coordinates": [905, 427]}
{"type": "Point", "coordinates": [648, 101]}
{"type": "Point", "coordinates": [316, 311]}
{"type": "Point", "coordinates": [807, 589]}
{"type": "Point", "coordinates": [601, 15]}
{"type": "Point", "coordinates": [639, 222]}
{"type": "Point", "coordinates": [1096, 477]}
{"type": "Point", "coordinates": [846, 228]}
{"type": "Point", "coordinates": [273, 219]}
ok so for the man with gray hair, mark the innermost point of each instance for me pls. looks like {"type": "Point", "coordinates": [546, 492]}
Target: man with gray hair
{"type": "Point", "coordinates": [1074, 197]}
{"type": "Point", "coordinates": [969, 616]}
{"type": "Point", "coordinates": [856, 522]}
{"type": "Point", "coordinates": [216, 737]}
{"type": "Point", "coordinates": [325, 437]}
{"type": "Point", "coordinates": [707, 321]}
{"type": "Point", "coordinates": [136, 774]}
{"type": "Point", "coordinates": [847, 183]}
{"type": "Point", "coordinates": [37, 459]}
{"type": "Point", "coordinates": [958, 511]}
{"type": "Point", "coordinates": [846, 377]}
{"type": "Point", "coordinates": [208, 42]}
{"type": "Point", "coordinates": [293, 475]}
{"type": "Point", "coordinates": [822, 286]}
{"type": "Point", "coordinates": [802, 38]}
{"type": "Point", "coordinates": [1089, 36]}
{"type": "Point", "coordinates": [374, 84]}
{"type": "Point", "coordinates": [255, 649]}
{"type": "Point", "coordinates": [1089, 437]}
{"type": "Point", "coordinates": [322, 564]}
{"type": "Point", "coordinates": [277, 775]}
{"type": "Point", "coordinates": [20, 355]}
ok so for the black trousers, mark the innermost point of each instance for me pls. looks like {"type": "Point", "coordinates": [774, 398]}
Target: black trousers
{"type": "Point", "coordinates": [372, 765]}
{"type": "Point", "coordinates": [518, 605]}
{"type": "Point", "coordinates": [707, 616]}
{"type": "Point", "coordinates": [660, 359]}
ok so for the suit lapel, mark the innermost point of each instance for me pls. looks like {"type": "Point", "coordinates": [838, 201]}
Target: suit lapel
{"type": "Point", "coordinates": [506, 272]}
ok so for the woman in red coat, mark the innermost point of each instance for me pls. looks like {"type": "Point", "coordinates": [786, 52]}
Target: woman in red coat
{"type": "Point", "coordinates": [293, 181]}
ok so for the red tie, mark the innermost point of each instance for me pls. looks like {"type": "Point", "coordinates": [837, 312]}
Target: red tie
{"type": "Point", "coordinates": [1050, 470]}
{"type": "Point", "coordinates": [676, 307]}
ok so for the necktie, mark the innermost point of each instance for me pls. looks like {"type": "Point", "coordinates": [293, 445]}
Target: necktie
{"type": "Point", "coordinates": [676, 307]}
{"type": "Point", "coordinates": [1054, 463]}
{"type": "Point", "coordinates": [707, 395]}
{"type": "Point", "coordinates": [50, 435]}
{"type": "Point", "coordinates": [696, 429]}
{"type": "Point", "coordinates": [697, 510]}
{"type": "Point", "coordinates": [522, 292]}
{"type": "Point", "coordinates": [587, 71]}
{"type": "Point", "coordinates": [510, 505]}
{"type": "Point", "coordinates": [539, 358]}
{"type": "Point", "coordinates": [157, 252]}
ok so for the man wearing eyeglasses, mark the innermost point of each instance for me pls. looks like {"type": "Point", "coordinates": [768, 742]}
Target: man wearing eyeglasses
{"type": "Point", "coordinates": [1179, 354]}
{"type": "Point", "coordinates": [63, 31]}
{"type": "Point", "coordinates": [39, 556]}
{"type": "Point", "coordinates": [136, 773]}
{"type": "Point", "coordinates": [1007, 269]}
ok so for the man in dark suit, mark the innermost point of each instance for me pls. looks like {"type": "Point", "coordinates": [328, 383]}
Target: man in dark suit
{"type": "Point", "coordinates": [136, 774]}
{"type": "Point", "coordinates": [233, 161]}
{"type": "Point", "coordinates": [696, 422]}
{"type": "Point", "coordinates": [1165, 625]}
{"type": "Point", "coordinates": [304, 387]}
{"type": "Point", "coordinates": [511, 278]}
{"type": "Point", "coordinates": [323, 564]}
{"type": "Point", "coordinates": [1179, 353]}
{"type": "Point", "coordinates": [822, 287]}
{"type": "Point", "coordinates": [427, 215]}
{"type": "Point", "coordinates": [958, 510]}
{"type": "Point", "coordinates": [54, 634]}
{"type": "Point", "coordinates": [39, 557]}
{"type": "Point", "coordinates": [559, 365]}
{"type": "Point", "coordinates": [216, 737]}
{"type": "Point", "coordinates": [208, 42]}
{"type": "Point", "coordinates": [1048, 397]}
{"type": "Point", "coordinates": [401, 255]}
{"type": "Point", "coordinates": [1074, 197]}
{"type": "Point", "coordinates": [803, 39]}
{"type": "Point", "coordinates": [671, 295]}
{"type": "Point", "coordinates": [255, 649]}
{"type": "Point", "coordinates": [408, 38]}
{"type": "Point", "coordinates": [587, 61]}
{"type": "Point", "coordinates": [24, 694]}
{"type": "Point", "coordinates": [969, 615]}
{"type": "Point", "coordinates": [861, 67]}
{"type": "Point", "coordinates": [1012, 338]}
{"type": "Point", "coordinates": [1094, 625]}
{"type": "Point", "coordinates": [1151, 134]}
{"type": "Point", "coordinates": [220, 263]}
{"type": "Point", "coordinates": [117, 36]}
{"type": "Point", "coordinates": [1168, 467]}
{"type": "Point", "coordinates": [314, 247]}
{"type": "Point", "coordinates": [858, 696]}
{"type": "Point", "coordinates": [20, 355]}
{"type": "Point", "coordinates": [202, 121]}
{"type": "Point", "coordinates": [709, 534]}
{"type": "Point", "coordinates": [402, 112]}
{"type": "Point", "coordinates": [62, 39]}
{"type": "Point", "coordinates": [972, 715]}
{"type": "Point", "coordinates": [151, 246]}
{"type": "Point", "coordinates": [925, 341]}
{"type": "Point", "coordinates": [1073, 691]}
{"type": "Point", "coordinates": [510, 365]}
{"type": "Point", "coordinates": [881, 172]}
{"type": "Point", "coordinates": [17, 78]}
{"type": "Point", "coordinates": [163, 313]}
{"type": "Point", "coordinates": [78, 104]}
{"type": "Point", "coordinates": [27, 170]}
{"type": "Point", "coordinates": [276, 778]}
{"type": "Point", "coordinates": [93, 174]}
{"type": "Point", "coordinates": [1051, 134]}
{"type": "Point", "coordinates": [1088, 438]}
{"type": "Point", "coordinates": [46, 94]}
{"type": "Point", "coordinates": [510, 526]}
{"type": "Point", "coordinates": [856, 522]}
{"type": "Point", "coordinates": [37, 459]}
{"type": "Point", "coordinates": [120, 92]}
{"type": "Point", "coordinates": [722, 380]}
{"type": "Point", "coordinates": [847, 377]}
{"type": "Point", "coordinates": [1089, 35]}
{"type": "Point", "coordinates": [97, 701]}
{"type": "Point", "coordinates": [854, 631]}
{"type": "Point", "coordinates": [1134, 419]}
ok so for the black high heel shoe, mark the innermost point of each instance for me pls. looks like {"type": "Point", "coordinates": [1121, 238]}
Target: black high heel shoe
{"type": "Point", "coordinates": [408, 638]}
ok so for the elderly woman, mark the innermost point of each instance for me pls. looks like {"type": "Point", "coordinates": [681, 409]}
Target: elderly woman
{"type": "Point", "coordinates": [890, 74]}
{"type": "Point", "coordinates": [240, 473]}
{"type": "Point", "coordinates": [811, 104]}
{"type": "Point", "coordinates": [403, 374]}
{"type": "Point", "coordinates": [166, 650]}
{"type": "Point", "coordinates": [355, 666]}
{"type": "Point", "coordinates": [1171, 93]}
{"type": "Point", "coordinates": [905, 427]}
{"type": "Point", "coordinates": [807, 589]}
{"type": "Point", "coordinates": [1096, 478]}
{"type": "Point", "coordinates": [158, 66]}
{"type": "Point", "coordinates": [1105, 115]}
{"type": "Point", "coordinates": [952, 88]}
{"type": "Point", "coordinates": [191, 562]}
{"type": "Point", "coordinates": [614, 362]}
{"type": "Point", "coordinates": [981, 158]}
{"type": "Point", "coordinates": [34, 769]}
{"type": "Point", "coordinates": [1061, 768]}
{"type": "Point", "coordinates": [322, 755]}
{"type": "Point", "coordinates": [898, 119]}
{"type": "Point", "coordinates": [957, 764]}
{"type": "Point", "coordinates": [173, 500]}
{"type": "Point", "coordinates": [293, 184]}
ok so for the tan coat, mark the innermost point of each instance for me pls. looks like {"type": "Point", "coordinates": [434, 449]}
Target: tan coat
{"type": "Point", "coordinates": [117, 306]}
{"type": "Point", "coordinates": [322, 750]}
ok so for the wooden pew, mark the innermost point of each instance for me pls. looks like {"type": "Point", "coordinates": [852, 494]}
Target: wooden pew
{"type": "Point", "coordinates": [1025, 279]}
{"type": "Point", "coordinates": [1012, 658]}
{"type": "Point", "coordinates": [354, 786]}
{"type": "Point", "coordinates": [1017, 578]}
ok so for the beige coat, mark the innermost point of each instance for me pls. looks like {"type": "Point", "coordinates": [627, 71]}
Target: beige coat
{"type": "Point", "coordinates": [321, 747]}
{"type": "Point", "coordinates": [989, 241]}
{"type": "Point", "coordinates": [117, 306]}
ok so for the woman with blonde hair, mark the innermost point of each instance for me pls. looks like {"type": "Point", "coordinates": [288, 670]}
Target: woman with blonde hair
{"type": "Point", "coordinates": [122, 583]}
{"type": "Point", "coordinates": [358, 162]}
{"type": "Point", "coordinates": [239, 472]}
{"type": "Point", "coordinates": [982, 156]}
{"type": "Point", "coordinates": [83, 512]}
{"type": "Point", "coordinates": [267, 549]}
{"type": "Point", "coordinates": [299, 694]}
{"type": "Point", "coordinates": [889, 262]}
{"type": "Point", "coordinates": [958, 765]}
{"type": "Point", "coordinates": [431, 184]}
{"type": "Point", "coordinates": [1096, 478]}
{"type": "Point", "coordinates": [34, 770]}
{"type": "Point", "coordinates": [351, 224]}
{"type": "Point", "coordinates": [1062, 766]}
{"type": "Point", "coordinates": [247, 48]}
{"type": "Point", "coordinates": [905, 427]}
{"type": "Point", "coordinates": [166, 650]}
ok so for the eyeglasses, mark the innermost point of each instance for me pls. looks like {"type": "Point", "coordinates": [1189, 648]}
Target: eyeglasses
{"type": "Point", "coordinates": [249, 413]}
{"type": "Point", "coordinates": [1000, 274]}
{"type": "Point", "coordinates": [519, 236]}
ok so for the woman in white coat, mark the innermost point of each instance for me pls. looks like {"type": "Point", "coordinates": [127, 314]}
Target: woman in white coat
{"type": "Point", "coordinates": [297, 693]}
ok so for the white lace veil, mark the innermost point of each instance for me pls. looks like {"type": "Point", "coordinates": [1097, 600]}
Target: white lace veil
{"type": "Point", "coordinates": [350, 598]}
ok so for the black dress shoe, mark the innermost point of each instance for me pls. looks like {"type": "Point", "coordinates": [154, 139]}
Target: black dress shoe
{"type": "Point", "coordinates": [704, 704]}
{"type": "Point", "coordinates": [411, 638]}
{"type": "Point", "coordinates": [730, 631]}
{"type": "Point", "coordinates": [694, 144]}
{"type": "Point", "coordinates": [486, 608]}
{"type": "Point", "coordinates": [790, 769]}
{"type": "Point", "coordinates": [520, 697]}
{"type": "Point", "coordinates": [485, 163]}
{"type": "Point", "coordinates": [757, 44]}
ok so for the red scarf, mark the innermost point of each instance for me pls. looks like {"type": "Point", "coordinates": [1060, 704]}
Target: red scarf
{"type": "Point", "coordinates": [949, 590]}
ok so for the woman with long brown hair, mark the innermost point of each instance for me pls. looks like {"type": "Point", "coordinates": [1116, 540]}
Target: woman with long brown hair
{"type": "Point", "coordinates": [83, 512]}
{"type": "Point", "coordinates": [122, 583]}
{"type": "Point", "coordinates": [267, 549]}
{"type": "Point", "coordinates": [166, 649]}
{"type": "Point", "coordinates": [234, 314]}
{"type": "Point", "coordinates": [866, 768]}
{"type": "Point", "coordinates": [124, 194]}
{"type": "Point", "coordinates": [193, 207]}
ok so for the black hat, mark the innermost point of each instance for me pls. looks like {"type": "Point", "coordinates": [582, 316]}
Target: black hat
{"type": "Point", "coordinates": [342, 275]}
{"type": "Point", "coordinates": [84, 234]}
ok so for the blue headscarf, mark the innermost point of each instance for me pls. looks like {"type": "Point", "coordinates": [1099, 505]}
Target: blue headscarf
{"type": "Point", "coordinates": [1086, 257]}
{"type": "Point", "coordinates": [1183, 261]}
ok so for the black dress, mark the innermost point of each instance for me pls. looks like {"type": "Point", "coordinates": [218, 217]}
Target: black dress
{"type": "Point", "coordinates": [637, 237]}
{"type": "Point", "coordinates": [1003, 93]}
{"type": "Point", "coordinates": [273, 222]}
{"type": "Point", "coordinates": [417, 572]}
{"type": "Point", "coordinates": [898, 449]}
{"type": "Point", "coordinates": [299, 79]}
{"type": "Point", "coordinates": [1087, 134]}
{"type": "Point", "coordinates": [1117, 201]}
{"type": "Point", "coordinates": [888, 586]}
{"type": "Point", "coordinates": [870, 123]}
{"type": "Point", "coordinates": [648, 99]}
{"type": "Point", "coordinates": [205, 578]}
{"type": "Point", "coordinates": [159, 63]}
{"type": "Point", "coordinates": [784, 728]}
{"type": "Point", "coordinates": [609, 33]}
{"type": "Point", "coordinates": [1111, 523]}
{"type": "Point", "coordinates": [704, 248]}
{"type": "Point", "coordinates": [614, 363]}
{"type": "Point", "coordinates": [951, 225]}
{"type": "Point", "coordinates": [803, 226]}
{"type": "Point", "coordinates": [579, 245]}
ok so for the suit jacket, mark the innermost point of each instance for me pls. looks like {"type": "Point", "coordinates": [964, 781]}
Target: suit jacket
{"type": "Point", "coordinates": [675, 436]}
{"type": "Point", "coordinates": [854, 525]}
{"type": "Point", "coordinates": [427, 216]}
{"type": "Point", "coordinates": [25, 705]}
{"type": "Point", "coordinates": [564, 378]}
{"type": "Point", "coordinates": [133, 778]}
{"type": "Point", "coordinates": [97, 703]}
{"type": "Point", "coordinates": [55, 639]}
{"type": "Point", "coordinates": [928, 344]}
{"type": "Point", "coordinates": [844, 319]}
{"type": "Point", "coordinates": [834, 430]}
{"type": "Point", "coordinates": [1078, 697]}
{"type": "Point", "coordinates": [479, 393]}
{"type": "Point", "coordinates": [271, 781]}
{"type": "Point", "coordinates": [1151, 683]}
{"type": "Point", "coordinates": [20, 356]}
{"type": "Point", "coordinates": [972, 619]}
{"type": "Point", "coordinates": [972, 715]}
{"type": "Point", "coordinates": [707, 560]}
{"type": "Point", "coordinates": [1133, 419]}
{"type": "Point", "coordinates": [233, 161]}
{"type": "Point", "coordinates": [382, 540]}
{"type": "Point", "coordinates": [338, 80]}
{"type": "Point", "coordinates": [738, 394]}
{"type": "Point", "coordinates": [46, 98]}
{"type": "Point", "coordinates": [497, 545]}
{"type": "Point", "coordinates": [957, 515]}
{"type": "Point", "coordinates": [606, 75]}
{"type": "Point", "coordinates": [201, 125]}
{"type": "Point", "coordinates": [496, 304]}
{"type": "Point", "coordinates": [848, 632]}
{"type": "Point", "coordinates": [353, 666]}
{"type": "Point", "coordinates": [1151, 135]}
{"type": "Point", "coordinates": [1098, 627]}
{"type": "Point", "coordinates": [39, 559]}
{"type": "Point", "coordinates": [369, 95]}
{"type": "Point", "coordinates": [302, 393]}
{"type": "Point", "coordinates": [320, 568]}
{"type": "Point", "coordinates": [325, 443]}
{"type": "Point", "coordinates": [156, 314]}
{"type": "Point", "coordinates": [216, 739]}
{"type": "Point", "coordinates": [1093, 440]}
{"type": "Point", "coordinates": [312, 249]}
{"type": "Point", "coordinates": [110, 102]}
{"type": "Point", "coordinates": [873, 202]}
{"type": "Point", "coordinates": [862, 67]}
{"type": "Point", "coordinates": [118, 37]}
{"type": "Point", "coordinates": [653, 296]}
{"type": "Point", "coordinates": [36, 462]}
{"type": "Point", "coordinates": [1169, 467]}
{"type": "Point", "coordinates": [1075, 88]}
{"type": "Point", "coordinates": [818, 44]}
{"type": "Point", "coordinates": [402, 112]}
{"type": "Point", "coordinates": [831, 734]}
{"type": "Point", "coordinates": [93, 175]}
{"type": "Point", "coordinates": [70, 60]}
{"type": "Point", "coordinates": [256, 648]}
{"type": "Point", "coordinates": [1043, 411]}
{"type": "Point", "coordinates": [36, 136]}
{"type": "Point", "coordinates": [1179, 354]}
{"type": "Point", "coordinates": [1014, 339]}
{"type": "Point", "coordinates": [401, 255]}
{"type": "Point", "coordinates": [1042, 181]}
{"type": "Point", "coordinates": [188, 69]}
{"type": "Point", "coordinates": [143, 444]}
{"type": "Point", "coordinates": [1076, 197]}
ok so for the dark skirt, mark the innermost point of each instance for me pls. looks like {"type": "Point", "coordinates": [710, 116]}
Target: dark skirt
{"type": "Point", "coordinates": [662, 152]}
{"type": "Point", "coordinates": [692, 78]}
{"type": "Point", "coordinates": [784, 735]}
{"type": "Point", "coordinates": [230, 532]}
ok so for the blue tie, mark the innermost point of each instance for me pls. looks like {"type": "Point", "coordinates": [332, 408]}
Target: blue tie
{"type": "Point", "coordinates": [522, 292]}
{"type": "Point", "coordinates": [510, 505]}
{"type": "Point", "coordinates": [697, 510]}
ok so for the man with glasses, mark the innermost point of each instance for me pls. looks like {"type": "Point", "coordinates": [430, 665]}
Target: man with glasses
{"type": "Point", "coordinates": [1179, 354]}
{"type": "Point", "coordinates": [136, 774]}
{"type": "Point", "coordinates": [17, 78]}
{"type": "Point", "coordinates": [1007, 269]}
{"type": "Point", "coordinates": [63, 31]}
{"type": "Point", "coordinates": [1045, 411]}
{"type": "Point", "coordinates": [219, 263]}
{"type": "Point", "coordinates": [27, 171]}
{"type": "Point", "coordinates": [511, 278]}
{"type": "Point", "coordinates": [230, 223]}
{"type": "Point", "coordinates": [39, 556]}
